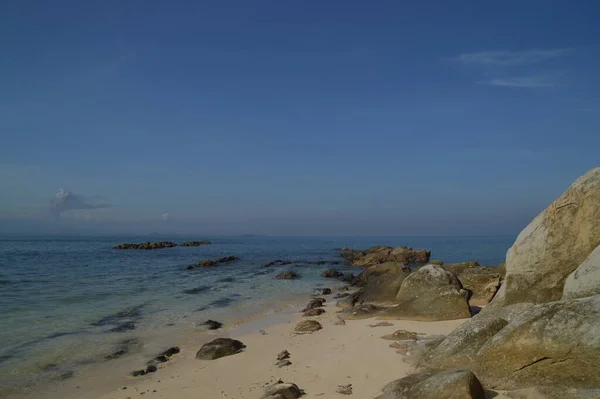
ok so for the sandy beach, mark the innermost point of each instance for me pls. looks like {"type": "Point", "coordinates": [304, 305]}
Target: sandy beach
{"type": "Point", "coordinates": [337, 355]}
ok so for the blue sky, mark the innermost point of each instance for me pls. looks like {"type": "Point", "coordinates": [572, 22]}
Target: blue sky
{"type": "Point", "coordinates": [278, 117]}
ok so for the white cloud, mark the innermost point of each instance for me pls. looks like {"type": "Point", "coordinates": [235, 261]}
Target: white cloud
{"type": "Point", "coordinates": [511, 58]}
{"type": "Point", "coordinates": [521, 81]}
{"type": "Point", "coordinates": [164, 216]}
{"type": "Point", "coordinates": [69, 201]}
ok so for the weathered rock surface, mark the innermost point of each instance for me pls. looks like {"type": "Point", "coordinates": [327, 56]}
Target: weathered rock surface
{"type": "Point", "coordinates": [401, 335]}
{"type": "Point", "coordinates": [218, 348]}
{"type": "Point", "coordinates": [307, 326]}
{"type": "Point", "coordinates": [315, 303]}
{"type": "Point", "coordinates": [523, 345]}
{"type": "Point", "coordinates": [456, 384]}
{"type": "Point", "coordinates": [147, 245]}
{"type": "Point", "coordinates": [195, 243]}
{"type": "Point", "coordinates": [313, 312]}
{"type": "Point", "coordinates": [553, 392]}
{"type": "Point", "coordinates": [332, 273]}
{"type": "Point", "coordinates": [383, 254]}
{"type": "Point", "coordinates": [430, 293]}
{"type": "Point", "coordinates": [289, 275]}
{"type": "Point", "coordinates": [553, 245]}
{"type": "Point", "coordinates": [213, 262]}
{"type": "Point", "coordinates": [165, 356]}
{"type": "Point", "coordinates": [364, 311]}
{"type": "Point", "coordinates": [282, 390]}
{"type": "Point", "coordinates": [585, 280]}
{"type": "Point", "coordinates": [481, 282]}
{"type": "Point", "coordinates": [381, 283]}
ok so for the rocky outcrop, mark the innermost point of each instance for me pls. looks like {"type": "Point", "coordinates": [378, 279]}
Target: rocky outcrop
{"type": "Point", "coordinates": [195, 243]}
{"type": "Point", "coordinates": [147, 245]}
{"type": "Point", "coordinates": [585, 280]}
{"type": "Point", "coordinates": [307, 326]}
{"type": "Point", "coordinates": [332, 273]}
{"type": "Point", "coordinates": [289, 275]}
{"type": "Point", "coordinates": [456, 384]}
{"type": "Point", "coordinates": [553, 245]}
{"type": "Point", "coordinates": [481, 282]}
{"type": "Point", "coordinates": [381, 283]}
{"type": "Point", "coordinates": [382, 254]}
{"type": "Point", "coordinates": [430, 293]}
{"type": "Point", "coordinates": [213, 262]}
{"type": "Point", "coordinates": [218, 348]}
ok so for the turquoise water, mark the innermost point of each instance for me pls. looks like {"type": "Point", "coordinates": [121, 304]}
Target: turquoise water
{"type": "Point", "coordinates": [65, 302]}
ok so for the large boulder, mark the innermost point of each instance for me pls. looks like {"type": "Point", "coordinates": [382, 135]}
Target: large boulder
{"type": "Point", "coordinates": [585, 280]}
{"type": "Point", "coordinates": [307, 326]}
{"type": "Point", "coordinates": [381, 283]}
{"type": "Point", "coordinates": [430, 293]}
{"type": "Point", "coordinates": [523, 345]}
{"type": "Point", "coordinates": [382, 254]}
{"type": "Point", "coordinates": [282, 390]}
{"type": "Point", "coordinates": [456, 384]}
{"type": "Point", "coordinates": [218, 348]}
{"type": "Point", "coordinates": [553, 245]}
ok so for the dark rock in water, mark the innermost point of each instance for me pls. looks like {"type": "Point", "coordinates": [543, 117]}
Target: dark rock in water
{"type": "Point", "coordinates": [279, 262]}
{"type": "Point", "coordinates": [138, 373]}
{"type": "Point", "coordinates": [197, 290]}
{"type": "Point", "coordinates": [322, 291]}
{"type": "Point", "coordinates": [213, 262]}
{"type": "Point", "coordinates": [282, 390]}
{"type": "Point", "coordinates": [147, 245]}
{"type": "Point", "coordinates": [218, 348]}
{"type": "Point", "coordinates": [456, 384]}
{"type": "Point", "coordinates": [151, 369]}
{"type": "Point", "coordinates": [118, 317]}
{"type": "Point", "coordinates": [313, 312]}
{"type": "Point", "coordinates": [307, 326]}
{"type": "Point", "coordinates": [124, 327]}
{"type": "Point", "coordinates": [195, 243]}
{"type": "Point", "coordinates": [319, 262]}
{"type": "Point", "coordinates": [331, 273]}
{"type": "Point", "coordinates": [117, 354]}
{"type": "Point", "coordinates": [212, 325]}
{"type": "Point", "coordinates": [315, 303]}
{"type": "Point", "coordinates": [289, 275]}
{"type": "Point", "coordinates": [222, 302]}
{"type": "Point", "coordinates": [226, 280]}
{"type": "Point", "coordinates": [123, 349]}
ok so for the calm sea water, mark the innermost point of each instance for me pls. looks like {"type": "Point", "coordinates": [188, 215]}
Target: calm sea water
{"type": "Point", "coordinates": [64, 301]}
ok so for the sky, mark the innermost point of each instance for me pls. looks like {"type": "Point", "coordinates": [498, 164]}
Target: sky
{"type": "Point", "coordinates": [294, 118]}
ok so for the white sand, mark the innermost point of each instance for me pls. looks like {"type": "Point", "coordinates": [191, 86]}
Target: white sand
{"type": "Point", "coordinates": [336, 355]}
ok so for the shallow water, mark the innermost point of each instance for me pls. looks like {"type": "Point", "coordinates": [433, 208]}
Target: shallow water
{"type": "Point", "coordinates": [67, 302]}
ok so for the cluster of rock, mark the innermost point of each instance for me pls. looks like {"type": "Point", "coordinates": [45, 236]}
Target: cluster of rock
{"type": "Point", "coordinates": [540, 335]}
{"type": "Point", "coordinates": [160, 244]}
{"type": "Point", "coordinates": [152, 365]}
{"type": "Point", "coordinates": [213, 262]}
{"type": "Point", "coordinates": [382, 254]}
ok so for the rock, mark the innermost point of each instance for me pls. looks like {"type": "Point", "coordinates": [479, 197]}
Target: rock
{"type": "Point", "coordinates": [436, 262]}
{"type": "Point", "coordinates": [289, 275]}
{"type": "Point", "coordinates": [195, 243]}
{"type": "Point", "coordinates": [341, 295]}
{"type": "Point", "coordinates": [428, 294]}
{"type": "Point", "coordinates": [349, 301]}
{"type": "Point", "coordinates": [213, 262]}
{"type": "Point", "coordinates": [322, 291]}
{"type": "Point", "coordinates": [315, 303]}
{"type": "Point", "coordinates": [381, 283]}
{"type": "Point", "coordinates": [151, 369]}
{"type": "Point", "coordinates": [283, 363]}
{"type": "Point", "coordinates": [456, 384]}
{"type": "Point", "coordinates": [282, 390]}
{"type": "Point", "coordinates": [585, 280]}
{"type": "Point", "coordinates": [340, 322]}
{"type": "Point", "coordinates": [362, 312]}
{"type": "Point", "coordinates": [307, 326]}
{"type": "Point", "coordinates": [382, 254]}
{"type": "Point", "coordinates": [553, 392]}
{"type": "Point", "coordinates": [332, 273]}
{"type": "Point", "coordinates": [553, 245]}
{"type": "Point", "coordinates": [481, 282]}
{"type": "Point", "coordinates": [123, 327]}
{"type": "Point", "coordinates": [279, 262]}
{"type": "Point", "coordinates": [458, 268]}
{"type": "Point", "coordinates": [400, 335]}
{"type": "Point", "coordinates": [524, 345]}
{"type": "Point", "coordinates": [344, 389]}
{"type": "Point", "coordinates": [147, 245]}
{"type": "Point", "coordinates": [313, 312]}
{"type": "Point", "coordinates": [165, 356]}
{"type": "Point", "coordinates": [284, 354]}
{"type": "Point", "coordinates": [381, 324]}
{"type": "Point", "coordinates": [212, 325]}
{"type": "Point", "coordinates": [218, 348]}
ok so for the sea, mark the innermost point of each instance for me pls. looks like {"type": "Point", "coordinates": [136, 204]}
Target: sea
{"type": "Point", "coordinates": [70, 303]}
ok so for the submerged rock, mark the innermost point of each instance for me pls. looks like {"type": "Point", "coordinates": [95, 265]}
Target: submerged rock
{"type": "Point", "coordinates": [307, 326]}
{"type": "Point", "coordinates": [123, 327]}
{"type": "Point", "coordinates": [195, 243]}
{"type": "Point", "coordinates": [289, 275]}
{"type": "Point", "coordinates": [147, 245]}
{"type": "Point", "coordinates": [213, 262]}
{"type": "Point", "coordinates": [218, 348]}
{"type": "Point", "coordinates": [332, 273]}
